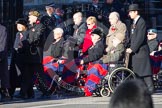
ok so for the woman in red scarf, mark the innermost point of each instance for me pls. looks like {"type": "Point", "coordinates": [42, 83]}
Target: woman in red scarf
{"type": "Point", "coordinates": [91, 24]}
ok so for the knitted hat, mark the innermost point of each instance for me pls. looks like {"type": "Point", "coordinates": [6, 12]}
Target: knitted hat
{"type": "Point", "coordinates": [98, 31]}
{"type": "Point", "coordinates": [22, 21]}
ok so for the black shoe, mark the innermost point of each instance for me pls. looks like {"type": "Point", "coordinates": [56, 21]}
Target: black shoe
{"type": "Point", "coordinates": [21, 96]}
{"type": "Point", "coordinates": [5, 96]}
{"type": "Point", "coordinates": [151, 90]}
{"type": "Point", "coordinates": [30, 97]}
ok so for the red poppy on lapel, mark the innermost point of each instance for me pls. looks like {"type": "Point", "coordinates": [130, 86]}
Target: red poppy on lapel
{"type": "Point", "coordinates": [113, 28]}
{"type": "Point", "coordinates": [133, 26]}
{"type": "Point", "coordinates": [37, 22]}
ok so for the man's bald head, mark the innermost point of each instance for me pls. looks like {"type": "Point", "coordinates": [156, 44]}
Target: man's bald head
{"type": "Point", "coordinates": [77, 17]}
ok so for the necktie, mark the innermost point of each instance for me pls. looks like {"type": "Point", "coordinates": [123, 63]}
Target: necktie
{"type": "Point", "coordinates": [134, 22]}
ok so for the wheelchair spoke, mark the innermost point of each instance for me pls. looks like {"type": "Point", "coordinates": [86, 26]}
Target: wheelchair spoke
{"type": "Point", "coordinates": [118, 78]}
{"type": "Point", "coordinates": [128, 76]}
{"type": "Point", "coordinates": [122, 75]}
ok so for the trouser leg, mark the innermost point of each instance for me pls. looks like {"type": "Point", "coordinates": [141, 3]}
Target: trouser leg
{"type": "Point", "coordinates": [5, 96]}
{"type": "Point", "coordinates": [27, 80]}
{"type": "Point", "coordinates": [149, 83]}
{"type": "Point", "coordinates": [4, 81]}
{"type": "Point", "coordinates": [148, 80]}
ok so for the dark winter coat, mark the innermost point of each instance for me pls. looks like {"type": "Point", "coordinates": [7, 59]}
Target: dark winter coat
{"type": "Point", "coordinates": [19, 54]}
{"type": "Point", "coordinates": [95, 52]}
{"type": "Point", "coordinates": [79, 33]}
{"type": "Point", "coordinates": [140, 56]}
{"type": "Point", "coordinates": [35, 42]}
{"type": "Point", "coordinates": [56, 48]}
{"type": "Point", "coordinates": [4, 74]}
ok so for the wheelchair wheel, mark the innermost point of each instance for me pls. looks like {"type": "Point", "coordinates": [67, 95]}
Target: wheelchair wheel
{"type": "Point", "coordinates": [158, 80]}
{"type": "Point", "coordinates": [105, 92]}
{"type": "Point", "coordinates": [119, 75]}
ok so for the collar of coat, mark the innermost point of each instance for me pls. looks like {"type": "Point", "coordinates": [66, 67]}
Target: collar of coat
{"type": "Point", "coordinates": [113, 29]}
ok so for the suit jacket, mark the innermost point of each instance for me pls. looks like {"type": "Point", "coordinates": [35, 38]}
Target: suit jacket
{"type": "Point", "coordinates": [140, 56]}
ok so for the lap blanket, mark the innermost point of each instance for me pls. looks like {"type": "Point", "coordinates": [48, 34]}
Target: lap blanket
{"type": "Point", "coordinates": [71, 70]}
{"type": "Point", "coordinates": [50, 63]}
{"type": "Point", "coordinates": [95, 72]}
{"type": "Point", "coordinates": [43, 81]}
{"type": "Point", "coordinates": [94, 75]}
{"type": "Point", "coordinates": [156, 63]}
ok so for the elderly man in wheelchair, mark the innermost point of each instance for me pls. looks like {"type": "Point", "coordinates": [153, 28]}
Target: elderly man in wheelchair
{"type": "Point", "coordinates": [96, 66]}
{"type": "Point", "coordinates": [155, 56]}
{"type": "Point", "coordinates": [73, 66]}
{"type": "Point", "coordinates": [99, 78]}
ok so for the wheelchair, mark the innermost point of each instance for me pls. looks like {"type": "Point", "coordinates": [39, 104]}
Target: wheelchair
{"type": "Point", "coordinates": [156, 67]}
{"type": "Point", "coordinates": [117, 73]}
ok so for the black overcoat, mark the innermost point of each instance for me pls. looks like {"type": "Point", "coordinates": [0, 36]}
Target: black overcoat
{"type": "Point", "coordinates": [35, 42]}
{"type": "Point", "coordinates": [140, 56]}
{"type": "Point", "coordinates": [95, 52]}
{"type": "Point", "coordinates": [4, 74]}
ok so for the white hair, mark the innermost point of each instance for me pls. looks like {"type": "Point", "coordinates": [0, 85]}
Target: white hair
{"type": "Point", "coordinates": [58, 30]}
{"type": "Point", "coordinates": [115, 14]}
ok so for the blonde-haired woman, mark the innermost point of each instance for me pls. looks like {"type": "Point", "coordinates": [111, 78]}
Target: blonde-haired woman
{"type": "Point", "coordinates": [87, 43]}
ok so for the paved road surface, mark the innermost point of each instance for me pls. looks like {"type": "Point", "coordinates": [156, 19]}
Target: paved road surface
{"type": "Point", "coordinates": [69, 101]}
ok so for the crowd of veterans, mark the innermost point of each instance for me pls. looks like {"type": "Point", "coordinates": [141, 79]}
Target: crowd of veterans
{"type": "Point", "coordinates": [43, 44]}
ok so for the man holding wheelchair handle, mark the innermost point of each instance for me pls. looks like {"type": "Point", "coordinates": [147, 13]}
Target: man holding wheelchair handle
{"type": "Point", "coordinates": [139, 50]}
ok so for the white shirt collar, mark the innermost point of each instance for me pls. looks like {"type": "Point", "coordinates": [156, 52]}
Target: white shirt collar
{"type": "Point", "coordinates": [136, 19]}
